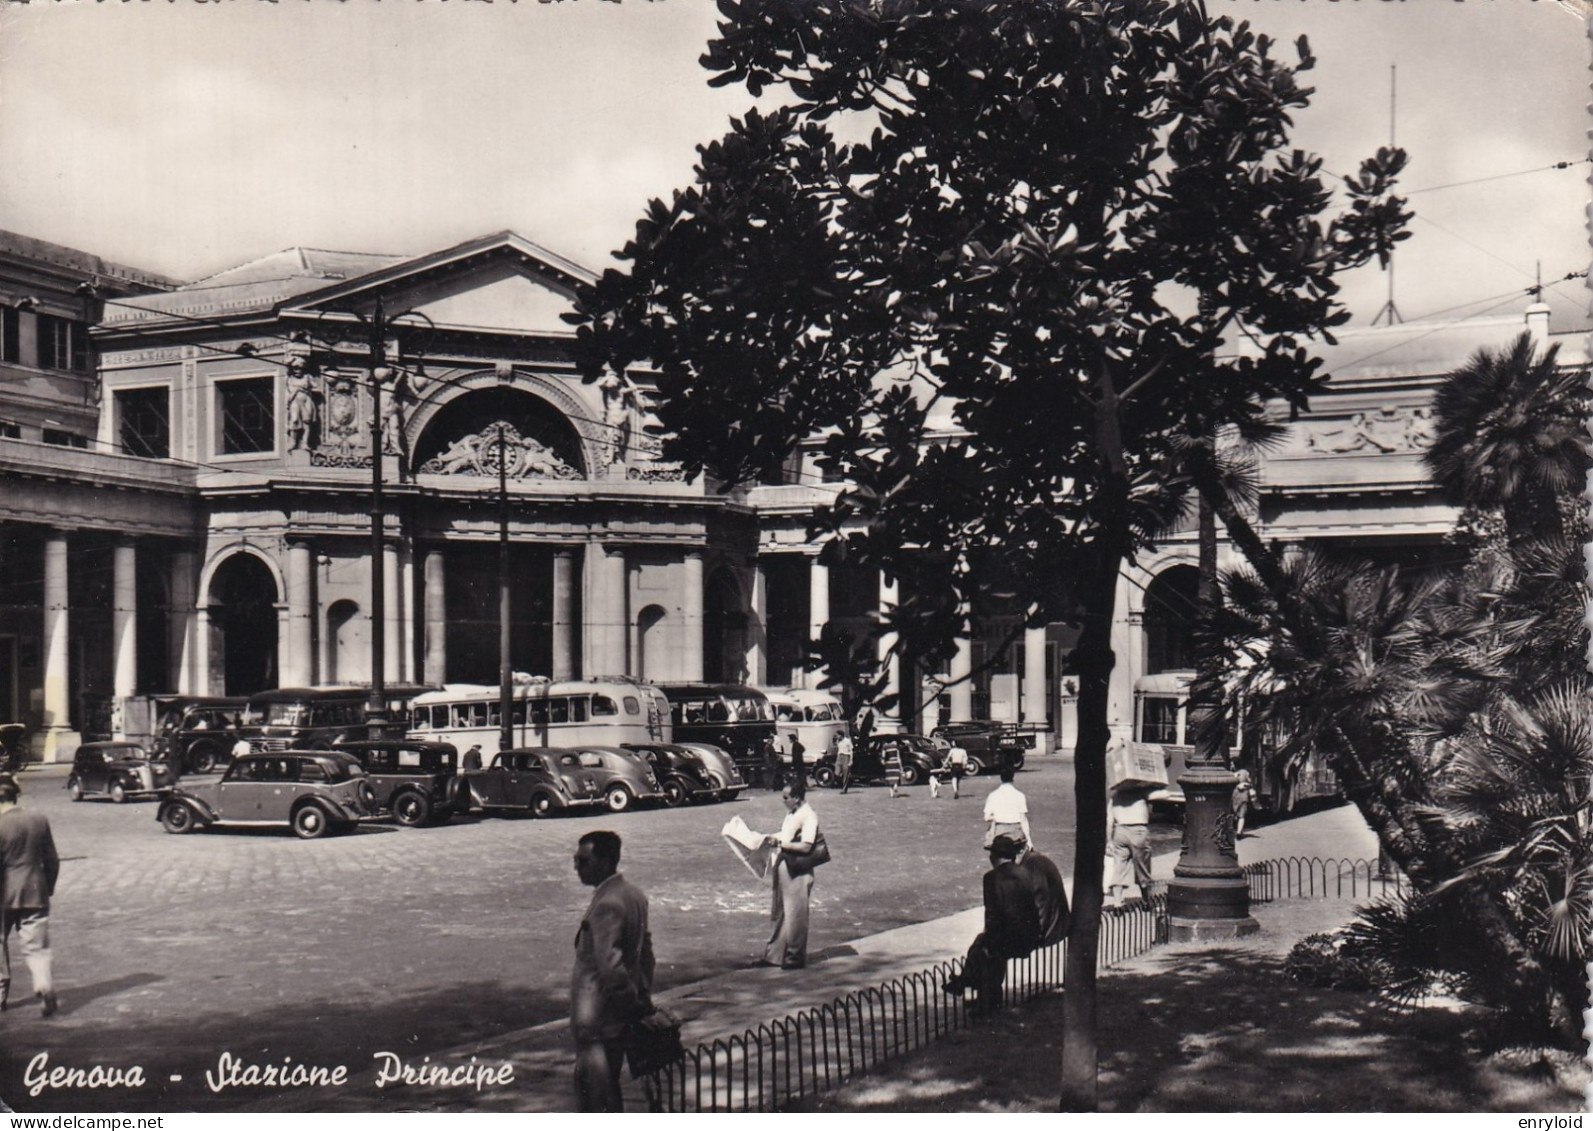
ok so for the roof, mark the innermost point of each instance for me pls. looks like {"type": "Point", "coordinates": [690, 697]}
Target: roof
{"type": "Point", "coordinates": [77, 262]}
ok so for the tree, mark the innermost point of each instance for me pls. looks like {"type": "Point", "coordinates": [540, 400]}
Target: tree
{"type": "Point", "coordinates": [1037, 220]}
{"type": "Point", "coordinates": [1455, 708]}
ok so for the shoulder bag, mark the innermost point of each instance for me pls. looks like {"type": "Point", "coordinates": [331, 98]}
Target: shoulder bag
{"type": "Point", "coordinates": [801, 863]}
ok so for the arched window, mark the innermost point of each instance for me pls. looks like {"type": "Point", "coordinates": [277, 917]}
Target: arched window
{"type": "Point", "coordinates": [1170, 609]}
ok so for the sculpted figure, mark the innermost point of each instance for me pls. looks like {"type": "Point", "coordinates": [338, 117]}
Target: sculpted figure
{"type": "Point", "coordinates": [303, 411]}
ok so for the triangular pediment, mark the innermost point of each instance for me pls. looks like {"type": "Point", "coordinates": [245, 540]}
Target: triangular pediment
{"type": "Point", "coordinates": [499, 283]}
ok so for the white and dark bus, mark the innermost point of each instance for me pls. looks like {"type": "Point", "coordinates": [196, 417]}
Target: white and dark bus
{"type": "Point", "coordinates": [585, 712]}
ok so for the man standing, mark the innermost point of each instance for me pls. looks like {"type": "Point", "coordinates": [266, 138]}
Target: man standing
{"type": "Point", "coordinates": [28, 868]}
{"type": "Point", "coordinates": [1128, 838]}
{"type": "Point", "coordinates": [1007, 810]}
{"type": "Point", "coordinates": [843, 760]}
{"type": "Point", "coordinates": [472, 760]}
{"type": "Point", "coordinates": [611, 985]}
{"type": "Point", "coordinates": [957, 762]}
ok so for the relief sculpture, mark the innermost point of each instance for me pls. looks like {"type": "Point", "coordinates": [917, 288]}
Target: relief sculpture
{"type": "Point", "coordinates": [1385, 431]}
{"type": "Point", "coordinates": [522, 457]}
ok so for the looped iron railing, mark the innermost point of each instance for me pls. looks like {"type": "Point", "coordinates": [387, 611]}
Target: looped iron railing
{"type": "Point", "coordinates": [804, 1053]}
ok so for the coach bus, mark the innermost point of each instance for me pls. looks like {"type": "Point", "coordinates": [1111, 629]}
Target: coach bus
{"type": "Point", "coordinates": [736, 718]}
{"type": "Point", "coordinates": [313, 718]}
{"type": "Point", "coordinates": [815, 718]}
{"type": "Point", "coordinates": [586, 712]}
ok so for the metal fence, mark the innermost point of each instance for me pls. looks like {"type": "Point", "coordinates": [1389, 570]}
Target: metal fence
{"type": "Point", "coordinates": [1311, 877]}
{"type": "Point", "coordinates": [809, 1052]}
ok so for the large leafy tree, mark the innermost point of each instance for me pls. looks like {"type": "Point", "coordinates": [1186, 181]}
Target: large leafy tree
{"type": "Point", "coordinates": [992, 250]}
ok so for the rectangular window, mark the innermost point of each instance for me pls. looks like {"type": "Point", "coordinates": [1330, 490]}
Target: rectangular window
{"type": "Point", "coordinates": [64, 439]}
{"type": "Point", "coordinates": [10, 430]}
{"type": "Point", "coordinates": [63, 344]}
{"type": "Point", "coordinates": [145, 416]}
{"type": "Point", "coordinates": [10, 334]}
{"type": "Point", "coordinates": [1159, 720]}
{"type": "Point", "coordinates": [248, 415]}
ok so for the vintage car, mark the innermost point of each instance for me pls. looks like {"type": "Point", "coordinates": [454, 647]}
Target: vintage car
{"type": "Point", "coordinates": [721, 767]}
{"type": "Point", "coordinates": [623, 777]}
{"type": "Point", "coordinates": [539, 780]}
{"type": "Point", "coordinates": [313, 792]}
{"type": "Point", "coordinates": [196, 734]}
{"type": "Point", "coordinates": [680, 771]}
{"type": "Point", "coordinates": [988, 743]}
{"type": "Point", "coordinates": [414, 781]}
{"type": "Point", "coordinates": [880, 756]}
{"type": "Point", "coordinates": [118, 770]}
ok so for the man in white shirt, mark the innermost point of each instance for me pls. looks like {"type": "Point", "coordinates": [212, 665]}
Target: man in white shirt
{"type": "Point", "coordinates": [1128, 839]}
{"type": "Point", "coordinates": [1007, 811]}
{"type": "Point", "coordinates": [843, 761]}
{"type": "Point", "coordinates": [957, 760]}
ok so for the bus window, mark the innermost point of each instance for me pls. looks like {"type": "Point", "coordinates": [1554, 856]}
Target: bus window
{"type": "Point", "coordinates": [494, 715]}
{"type": "Point", "coordinates": [1159, 720]}
{"type": "Point", "coordinates": [603, 705]}
{"type": "Point", "coordinates": [718, 712]}
{"type": "Point", "coordinates": [517, 712]}
{"type": "Point", "coordinates": [559, 710]}
{"type": "Point", "coordinates": [632, 705]}
{"type": "Point", "coordinates": [578, 708]}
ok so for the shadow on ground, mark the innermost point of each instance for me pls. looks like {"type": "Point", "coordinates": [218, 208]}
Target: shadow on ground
{"type": "Point", "coordinates": [1224, 1030]}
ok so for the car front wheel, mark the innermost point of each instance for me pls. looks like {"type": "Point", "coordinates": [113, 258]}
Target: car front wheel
{"type": "Point", "coordinates": [310, 823]}
{"type": "Point", "coordinates": [411, 809]}
{"type": "Point", "coordinates": [618, 799]}
{"type": "Point", "coordinates": [203, 761]}
{"type": "Point", "coordinates": [675, 794]}
{"type": "Point", "coordinates": [118, 792]}
{"type": "Point", "coordinates": [824, 776]}
{"type": "Point", "coordinates": [911, 775]}
{"type": "Point", "coordinates": [178, 818]}
{"type": "Point", "coordinates": [74, 789]}
{"type": "Point", "coordinates": [541, 805]}
{"type": "Point", "coordinates": [975, 767]}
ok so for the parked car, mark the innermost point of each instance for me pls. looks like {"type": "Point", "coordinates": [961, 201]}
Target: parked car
{"type": "Point", "coordinates": [878, 756]}
{"type": "Point", "coordinates": [623, 777]}
{"type": "Point", "coordinates": [313, 792]}
{"type": "Point", "coordinates": [13, 747]}
{"type": "Point", "coordinates": [117, 770]}
{"type": "Point", "coordinates": [721, 767]}
{"type": "Point", "coordinates": [680, 771]}
{"type": "Point", "coordinates": [538, 780]}
{"type": "Point", "coordinates": [196, 734]}
{"type": "Point", "coordinates": [987, 743]}
{"type": "Point", "coordinates": [417, 782]}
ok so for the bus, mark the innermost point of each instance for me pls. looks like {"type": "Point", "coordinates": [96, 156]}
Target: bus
{"type": "Point", "coordinates": [814, 718]}
{"type": "Point", "coordinates": [313, 718]}
{"type": "Point", "coordinates": [578, 712]}
{"type": "Point", "coordinates": [736, 718]}
{"type": "Point", "coordinates": [1161, 718]}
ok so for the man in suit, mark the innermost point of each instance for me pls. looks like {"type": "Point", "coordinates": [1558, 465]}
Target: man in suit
{"type": "Point", "coordinates": [611, 985]}
{"type": "Point", "coordinates": [28, 868]}
{"type": "Point", "coordinates": [1012, 926]}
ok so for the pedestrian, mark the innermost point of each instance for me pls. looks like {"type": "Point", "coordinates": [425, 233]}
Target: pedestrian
{"type": "Point", "coordinates": [799, 772]}
{"type": "Point", "coordinates": [28, 869]}
{"type": "Point", "coordinates": [957, 763]}
{"type": "Point", "coordinates": [472, 759]}
{"type": "Point", "coordinates": [1012, 927]}
{"type": "Point", "coordinates": [241, 747]}
{"type": "Point", "coordinates": [612, 982]}
{"type": "Point", "coordinates": [799, 833]}
{"type": "Point", "coordinates": [843, 760]}
{"type": "Point", "coordinates": [1007, 810]}
{"type": "Point", "coordinates": [1244, 796]}
{"type": "Point", "coordinates": [774, 753]}
{"type": "Point", "coordinates": [1128, 838]}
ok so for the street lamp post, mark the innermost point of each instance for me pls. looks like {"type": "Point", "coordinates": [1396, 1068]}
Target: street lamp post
{"type": "Point", "coordinates": [376, 705]}
{"type": "Point", "coordinates": [505, 674]}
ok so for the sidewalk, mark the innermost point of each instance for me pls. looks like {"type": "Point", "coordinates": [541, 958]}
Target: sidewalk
{"type": "Point", "coordinates": [730, 1003]}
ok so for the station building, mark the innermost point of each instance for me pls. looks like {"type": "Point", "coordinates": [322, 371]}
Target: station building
{"type": "Point", "coordinates": [190, 473]}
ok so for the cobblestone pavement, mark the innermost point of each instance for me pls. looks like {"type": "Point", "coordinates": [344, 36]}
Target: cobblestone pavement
{"type": "Point", "coordinates": [173, 950]}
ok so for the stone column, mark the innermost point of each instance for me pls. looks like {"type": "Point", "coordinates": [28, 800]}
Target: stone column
{"type": "Point", "coordinates": [564, 614]}
{"type": "Point", "coordinates": [60, 740]}
{"type": "Point", "coordinates": [691, 619]}
{"type": "Point", "coordinates": [961, 689]}
{"type": "Point", "coordinates": [890, 664]}
{"type": "Point", "coordinates": [604, 618]}
{"type": "Point", "coordinates": [203, 641]}
{"type": "Point", "coordinates": [124, 632]}
{"type": "Point", "coordinates": [757, 628]}
{"type": "Point", "coordinates": [436, 668]}
{"type": "Point", "coordinates": [297, 666]}
{"type": "Point", "coordinates": [818, 612]}
{"type": "Point", "coordinates": [1034, 684]}
{"type": "Point", "coordinates": [407, 613]}
{"type": "Point", "coordinates": [180, 622]}
{"type": "Point", "coordinates": [392, 635]}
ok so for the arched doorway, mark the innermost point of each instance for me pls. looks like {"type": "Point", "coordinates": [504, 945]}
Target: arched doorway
{"type": "Point", "coordinates": [243, 619]}
{"type": "Point", "coordinates": [347, 650]}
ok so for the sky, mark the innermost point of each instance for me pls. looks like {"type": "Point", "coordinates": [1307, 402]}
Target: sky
{"type": "Point", "coordinates": [185, 137]}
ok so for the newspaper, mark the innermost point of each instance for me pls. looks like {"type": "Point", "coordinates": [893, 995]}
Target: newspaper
{"type": "Point", "coordinates": [753, 849]}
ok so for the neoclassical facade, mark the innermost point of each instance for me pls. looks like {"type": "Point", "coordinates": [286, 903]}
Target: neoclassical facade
{"type": "Point", "coordinates": [213, 534]}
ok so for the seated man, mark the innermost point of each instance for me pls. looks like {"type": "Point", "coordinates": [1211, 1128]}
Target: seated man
{"type": "Point", "coordinates": [1012, 926]}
